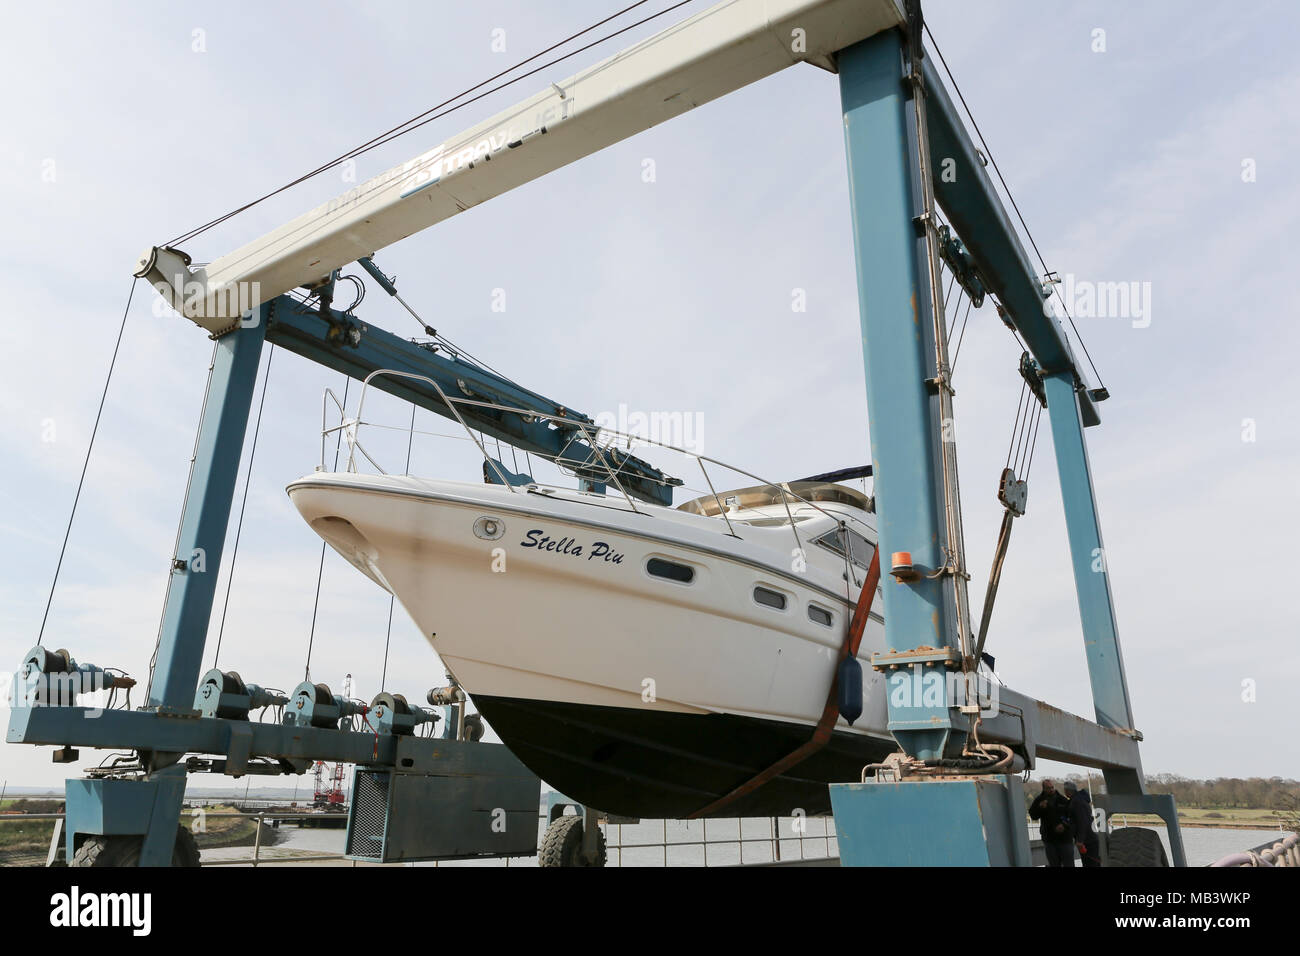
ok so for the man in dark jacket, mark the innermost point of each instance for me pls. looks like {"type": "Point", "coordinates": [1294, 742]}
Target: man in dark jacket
{"type": "Point", "coordinates": [1081, 822]}
{"type": "Point", "coordinates": [1052, 811]}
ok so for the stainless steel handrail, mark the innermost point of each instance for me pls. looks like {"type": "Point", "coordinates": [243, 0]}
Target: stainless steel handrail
{"type": "Point", "coordinates": [351, 428]}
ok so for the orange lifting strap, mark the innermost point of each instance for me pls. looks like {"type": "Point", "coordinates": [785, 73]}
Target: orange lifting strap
{"type": "Point", "coordinates": [826, 724]}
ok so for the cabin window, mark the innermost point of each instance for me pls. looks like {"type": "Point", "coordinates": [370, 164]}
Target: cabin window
{"type": "Point", "coordinates": [819, 615]}
{"type": "Point", "coordinates": [670, 570]}
{"type": "Point", "coordinates": [860, 549]}
{"type": "Point", "coordinates": [778, 522]}
{"type": "Point", "coordinates": [769, 598]}
{"type": "Point", "coordinates": [863, 550]}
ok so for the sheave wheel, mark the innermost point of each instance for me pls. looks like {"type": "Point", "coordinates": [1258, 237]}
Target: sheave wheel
{"type": "Point", "coordinates": [562, 844]}
{"type": "Point", "coordinates": [125, 850]}
{"type": "Point", "coordinates": [1136, 846]}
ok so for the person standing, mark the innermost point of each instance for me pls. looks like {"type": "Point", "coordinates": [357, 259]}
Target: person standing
{"type": "Point", "coordinates": [1052, 811]}
{"type": "Point", "coordinates": [1085, 837]}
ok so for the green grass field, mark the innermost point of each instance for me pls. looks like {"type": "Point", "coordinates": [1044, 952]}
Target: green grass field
{"type": "Point", "coordinates": [1232, 818]}
{"type": "Point", "coordinates": [25, 841]}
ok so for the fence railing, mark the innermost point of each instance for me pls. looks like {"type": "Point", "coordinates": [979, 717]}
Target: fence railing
{"type": "Point", "coordinates": [774, 840]}
{"type": "Point", "coordinates": [779, 839]}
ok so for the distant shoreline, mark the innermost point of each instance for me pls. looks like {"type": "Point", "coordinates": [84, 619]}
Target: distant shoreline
{"type": "Point", "coordinates": [1147, 820]}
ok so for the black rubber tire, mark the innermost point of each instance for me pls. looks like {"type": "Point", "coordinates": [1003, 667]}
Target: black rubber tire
{"type": "Point", "coordinates": [562, 844]}
{"type": "Point", "coordinates": [1135, 847]}
{"type": "Point", "coordinates": [125, 850]}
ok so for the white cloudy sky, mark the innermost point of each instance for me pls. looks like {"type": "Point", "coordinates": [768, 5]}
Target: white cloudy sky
{"type": "Point", "coordinates": [673, 296]}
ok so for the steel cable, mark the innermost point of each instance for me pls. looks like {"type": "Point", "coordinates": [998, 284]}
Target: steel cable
{"type": "Point", "coordinates": [320, 570]}
{"type": "Point", "coordinates": [383, 680]}
{"type": "Point", "coordinates": [112, 364]}
{"type": "Point", "coordinates": [243, 504]}
{"type": "Point", "coordinates": [431, 114]}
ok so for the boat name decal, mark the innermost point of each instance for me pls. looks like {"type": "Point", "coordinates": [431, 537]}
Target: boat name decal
{"type": "Point", "coordinates": [538, 539]}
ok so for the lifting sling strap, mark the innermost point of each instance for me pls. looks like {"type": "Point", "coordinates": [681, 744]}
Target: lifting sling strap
{"type": "Point", "coordinates": [822, 732]}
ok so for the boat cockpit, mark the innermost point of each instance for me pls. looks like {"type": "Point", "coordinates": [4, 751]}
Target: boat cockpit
{"type": "Point", "coordinates": [792, 493]}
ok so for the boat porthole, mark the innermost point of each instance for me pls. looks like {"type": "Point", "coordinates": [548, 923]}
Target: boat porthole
{"type": "Point", "coordinates": [489, 529]}
{"type": "Point", "coordinates": [820, 615]}
{"type": "Point", "coordinates": [670, 570]}
{"type": "Point", "coordinates": [769, 598]}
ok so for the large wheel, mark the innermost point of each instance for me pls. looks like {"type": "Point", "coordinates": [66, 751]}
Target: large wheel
{"type": "Point", "coordinates": [562, 844]}
{"type": "Point", "coordinates": [1135, 846]}
{"type": "Point", "coordinates": [125, 850]}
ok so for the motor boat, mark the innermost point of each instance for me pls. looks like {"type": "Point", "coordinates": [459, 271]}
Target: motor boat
{"type": "Point", "coordinates": [642, 659]}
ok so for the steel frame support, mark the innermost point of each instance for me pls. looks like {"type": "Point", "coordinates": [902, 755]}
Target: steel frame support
{"type": "Point", "coordinates": [152, 807]}
{"type": "Point", "coordinates": [127, 808]}
{"type": "Point", "coordinates": [168, 727]}
{"type": "Point", "coordinates": [1088, 556]}
{"type": "Point", "coordinates": [237, 741]}
{"type": "Point", "coordinates": [890, 147]}
{"type": "Point", "coordinates": [716, 51]}
{"type": "Point", "coordinates": [1125, 787]}
{"type": "Point", "coordinates": [905, 379]}
{"type": "Point", "coordinates": [898, 350]}
{"type": "Point", "coordinates": [959, 821]}
{"type": "Point", "coordinates": [206, 514]}
{"type": "Point", "coordinates": [1162, 805]}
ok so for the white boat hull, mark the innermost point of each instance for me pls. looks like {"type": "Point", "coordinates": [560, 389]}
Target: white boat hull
{"type": "Point", "coordinates": [653, 696]}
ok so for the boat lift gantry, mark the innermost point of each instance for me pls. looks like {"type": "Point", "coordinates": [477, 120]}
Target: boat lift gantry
{"type": "Point", "coordinates": [899, 126]}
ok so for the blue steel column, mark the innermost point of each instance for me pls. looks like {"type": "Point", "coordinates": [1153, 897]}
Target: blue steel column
{"type": "Point", "coordinates": [899, 353]}
{"type": "Point", "coordinates": [206, 514]}
{"type": "Point", "coordinates": [1096, 609]}
{"type": "Point", "coordinates": [1125, 787]}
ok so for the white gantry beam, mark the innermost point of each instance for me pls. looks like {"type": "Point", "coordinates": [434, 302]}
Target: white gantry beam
{"type": "Point", "coordinates": [715, 52]}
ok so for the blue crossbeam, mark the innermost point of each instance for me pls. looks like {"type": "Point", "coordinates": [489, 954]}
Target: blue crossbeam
{"type": "Point", "coordinates": [150, 731]}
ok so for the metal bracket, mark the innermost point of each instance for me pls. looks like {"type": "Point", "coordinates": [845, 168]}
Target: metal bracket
{"type": "Point", "coordinates": [241, 748]}
{"type": "Point", "coordinates": [941, 380]}
{"type": "Point", "coordinates": [1033, 377]}
{"type": "Point", "coordinates": [893, 660]}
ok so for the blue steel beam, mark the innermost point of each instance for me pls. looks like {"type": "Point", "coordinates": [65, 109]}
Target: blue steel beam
{"type": "Point", "coordinates": [975, 210]}
{"type": "Point", "coordinates": [206, 514]}
{"type": "Point", "coordinates": [344, 343]}
{"type": "Point", "coordinates": [238, 740]}
{"type": "Point", "coordinates": [1088, 556]}
{"type": "Point", "coordinates": [898, 351]}
{"type": "Point", "coordinates": [188, 608]}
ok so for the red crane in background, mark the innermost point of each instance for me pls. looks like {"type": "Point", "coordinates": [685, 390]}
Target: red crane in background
{"type": "Point", "coordinates": [334, 798]}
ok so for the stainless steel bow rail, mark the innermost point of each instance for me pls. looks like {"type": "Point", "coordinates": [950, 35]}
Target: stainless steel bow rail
{"type": "Point", "coordinates": [604, 452]}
